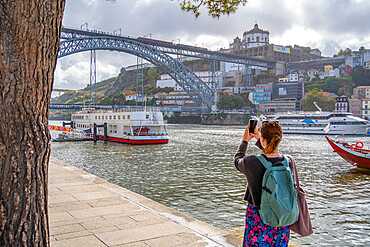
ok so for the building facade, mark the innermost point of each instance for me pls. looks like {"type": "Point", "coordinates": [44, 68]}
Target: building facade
{"type": "Point", "coordinates": [287, 91]}
{"type": "Point", "coordinates": [255, 37]}
{"type": "Point", "coordinates": [360, 57]}
{"type": "Point", "coordinates": [255, 43]}
{"type": "Point", "coordinates": [260, 95]}
{"type": "Point", "coordinates": [355, 107]}
{"type": "Point", "coordinates": [283, 105]}
{"type": "Point", "coordinates": [293, 75]}
{"type": "Point", "coordinates": [366, 109]}
{"type": "Point", "coordinates": [362, 92]}
{"type": "Point", "coordinates": [179, 97]}
{"type": "Point", "coordinates": [342, 104]}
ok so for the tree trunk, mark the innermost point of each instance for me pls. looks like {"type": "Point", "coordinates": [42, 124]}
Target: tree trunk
{"type": "Point", "coordinates": [29, 42]}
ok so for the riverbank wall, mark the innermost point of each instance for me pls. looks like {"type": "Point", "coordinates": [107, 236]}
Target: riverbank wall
{"type": "Point", "coordinates": [211, 119]}
{"type": "Point", "coordinates": [225, 119]}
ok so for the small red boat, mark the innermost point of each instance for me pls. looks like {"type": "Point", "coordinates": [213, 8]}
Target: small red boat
{"type": "Point", "coordinates": [354, 153]}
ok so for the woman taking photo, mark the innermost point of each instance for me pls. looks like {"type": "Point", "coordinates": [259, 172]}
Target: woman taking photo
{"type": "Point", "coordinates": [256, 232]}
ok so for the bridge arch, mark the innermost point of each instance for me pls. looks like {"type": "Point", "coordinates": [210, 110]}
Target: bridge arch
{"type": "Point", "coordinates": [199, 91]}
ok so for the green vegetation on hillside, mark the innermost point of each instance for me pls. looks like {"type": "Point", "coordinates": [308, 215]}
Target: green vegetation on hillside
{"type": "Point", "coordinates": [341, 52]}
{"type": "Point", "coordinates": [360, 76]}
{"type": "Point", "coordinates": [229, 101]}
{"type": "Point", "coordinates": [324, 102]}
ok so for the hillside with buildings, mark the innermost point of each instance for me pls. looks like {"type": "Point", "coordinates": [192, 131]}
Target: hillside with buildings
{"type": "Point", "coordinates": [298, 70]}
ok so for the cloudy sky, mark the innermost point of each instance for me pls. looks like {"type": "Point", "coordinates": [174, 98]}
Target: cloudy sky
{"type": "Point", "coordinates": [329, 25]}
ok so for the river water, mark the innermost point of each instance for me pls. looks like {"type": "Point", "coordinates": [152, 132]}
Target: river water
{"type": "Point", "coordinates": [194, 174]}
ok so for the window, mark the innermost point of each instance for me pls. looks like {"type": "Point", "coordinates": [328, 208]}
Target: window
{"type": "Point", "coordinates": [128, 116]}
{"type": "Point", "coordinates": [147, 116]}
{"type": "Point", "coordinates": [123, 116]}
{"type": "Point", "coordinates": [119, 116]}
{"type": "Point", "coordinates": [114, 117]}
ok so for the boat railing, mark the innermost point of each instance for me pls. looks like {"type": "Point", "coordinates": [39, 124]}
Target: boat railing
{"type": "Point", "coordinates": [353, 147]}
{"type": "Point", "coordinates": [122, 109]}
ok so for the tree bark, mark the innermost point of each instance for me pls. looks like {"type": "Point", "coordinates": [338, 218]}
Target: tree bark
{"type": "Point", "coordinates": [29, 42]}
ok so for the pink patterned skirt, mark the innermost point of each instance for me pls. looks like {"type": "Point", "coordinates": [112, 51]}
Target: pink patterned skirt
{"type": "Point", "coordinates": [258, 234]}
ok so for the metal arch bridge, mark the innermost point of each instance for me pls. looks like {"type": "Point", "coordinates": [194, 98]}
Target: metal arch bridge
{"type": "Point", "coordinates": [156, 52]}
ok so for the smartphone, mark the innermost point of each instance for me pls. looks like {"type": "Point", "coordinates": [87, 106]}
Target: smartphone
{"type": "Point", "coordinates": [252, 125]}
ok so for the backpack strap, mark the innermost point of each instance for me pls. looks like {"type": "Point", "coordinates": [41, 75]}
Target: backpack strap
{"type": "Point", "coordinates": [285, 161]}
{"type": "Point", "coordinates": [295, 173]}
{"type": "Point", "coordinates": [267, 164]}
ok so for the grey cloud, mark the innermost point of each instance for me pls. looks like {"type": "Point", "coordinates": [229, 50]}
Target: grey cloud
{"type": "Point", "coordinates": [338, 17]}
{"type": "Point", "coordinates": [335, 20]}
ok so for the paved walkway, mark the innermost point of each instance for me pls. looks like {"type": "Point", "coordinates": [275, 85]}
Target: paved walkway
{"type": "Point", "coordinates": [85, 210]}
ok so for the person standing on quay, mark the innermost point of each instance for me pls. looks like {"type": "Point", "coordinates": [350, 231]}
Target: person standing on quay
{"type": "Point", "coordinates": [256, 232]}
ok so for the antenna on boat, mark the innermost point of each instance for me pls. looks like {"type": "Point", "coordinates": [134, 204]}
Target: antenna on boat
{"type": "Point", "coordinates": [145, 103]}
{"type": "Point", "coordinates": [318, 107]}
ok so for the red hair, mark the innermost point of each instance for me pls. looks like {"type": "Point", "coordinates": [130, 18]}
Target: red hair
{"type": "Point", "coordinates": [272, 132]}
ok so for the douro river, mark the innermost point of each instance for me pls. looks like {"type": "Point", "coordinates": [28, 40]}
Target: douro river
{"type": "Point", "coordinates": [195, 174]}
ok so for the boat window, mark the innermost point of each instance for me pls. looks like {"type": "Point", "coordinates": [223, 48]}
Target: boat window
{"type": "Point", "coordinates": [147, 116]}
{"type": "Point", "coordinates": [96, 117]}
{"type": "Point", "coordinates": [123, 116]}
{"type": "Point", "coordinates": [110, 116]}
{"type": "Point", "coordinates": [128, 116]}
{"type": "Point", "coordinates": [119, 116]}
{"type": "Point", "coordinates": [114, 117]}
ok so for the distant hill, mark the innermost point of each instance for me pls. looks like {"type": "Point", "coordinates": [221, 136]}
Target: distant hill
{"type": "Point", "coordinates": [111, 91]}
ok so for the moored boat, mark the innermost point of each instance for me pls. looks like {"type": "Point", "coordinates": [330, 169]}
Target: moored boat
{"type": "Point", "coordinates": [322, 123]}
{"type": "Point", "coordinates": [128, 125]}
{"type": "Point", "coordinates": [355, 154]}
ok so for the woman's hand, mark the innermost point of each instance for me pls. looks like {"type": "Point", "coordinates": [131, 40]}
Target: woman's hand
{"type": "Point", "coordinates": [247, 137]}
{"type": "Point", "coordinates": [256, 134]}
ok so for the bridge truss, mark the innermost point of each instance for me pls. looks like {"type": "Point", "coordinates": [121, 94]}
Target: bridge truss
{"type": "Point", "coordinates": [75, 41]}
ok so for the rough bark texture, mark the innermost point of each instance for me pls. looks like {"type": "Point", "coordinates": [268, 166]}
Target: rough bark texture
{"type": "Point", "coordinates": [29, 39]}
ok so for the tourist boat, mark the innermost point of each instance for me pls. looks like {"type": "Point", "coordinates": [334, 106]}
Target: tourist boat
{"type": "Point", "coordinates": [128, 125]}
{"type": "Point", "coordinates": [322, 123]}
{"type": "Point", "coordinates": [355, 154]}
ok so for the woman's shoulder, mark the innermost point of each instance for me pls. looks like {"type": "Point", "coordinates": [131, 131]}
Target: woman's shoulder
{"type": "Point", "coordinates": [251, 160]}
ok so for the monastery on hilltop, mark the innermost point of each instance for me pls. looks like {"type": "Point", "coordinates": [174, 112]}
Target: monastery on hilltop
{"type": "Point", "coordinates": [256, 43]}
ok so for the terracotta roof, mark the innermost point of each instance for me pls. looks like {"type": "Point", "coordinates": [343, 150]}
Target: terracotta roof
{"type": "Point", "coordinates": [256, 30]}
{"type": "Point", "coordinates": [327, 94]}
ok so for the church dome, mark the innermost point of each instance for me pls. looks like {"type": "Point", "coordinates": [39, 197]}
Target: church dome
{"type": "Point", "coordinates": [256, 29]}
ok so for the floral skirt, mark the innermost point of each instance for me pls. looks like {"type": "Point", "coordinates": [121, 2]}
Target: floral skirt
{"type": "Point", "coordinates": [258, 234]}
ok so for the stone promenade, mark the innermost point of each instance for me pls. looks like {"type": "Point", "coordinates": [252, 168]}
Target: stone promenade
{"type": "Point", "coordinates": [85, 210]}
